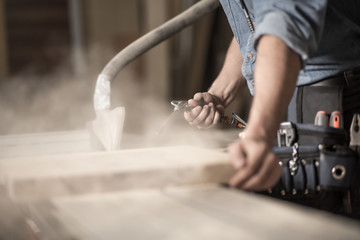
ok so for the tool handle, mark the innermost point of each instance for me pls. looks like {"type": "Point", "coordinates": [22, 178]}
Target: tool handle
{"type": "Point", "coordinates": [321, 118]}
{"type": "Point", "coordinates": [336, 120]}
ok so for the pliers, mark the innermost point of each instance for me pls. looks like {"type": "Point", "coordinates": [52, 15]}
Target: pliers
{"type": "Point", "coordinates": [235, 120]}
{"type": "Point", "coordinates": [355, 130]}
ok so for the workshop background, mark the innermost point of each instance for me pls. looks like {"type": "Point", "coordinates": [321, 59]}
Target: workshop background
{"type": "Point", "coordinates": [55, 180]}
{"type": "Point", "coordinates": [52, 51]}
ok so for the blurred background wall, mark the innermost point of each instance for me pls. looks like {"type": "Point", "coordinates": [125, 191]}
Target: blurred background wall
{"type": "Point", "coordinates": [52, 51]}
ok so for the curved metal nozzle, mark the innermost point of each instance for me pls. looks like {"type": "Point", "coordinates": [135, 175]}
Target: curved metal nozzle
{"type": "Point", "coordinates": [143, 44]}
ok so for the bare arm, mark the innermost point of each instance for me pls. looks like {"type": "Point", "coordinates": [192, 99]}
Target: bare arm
{"type": "Point", "coordinates": [275, 80]}
{"type": "Point", "coordinates": [275, 77]}
{"type": "Point", "coordinates": [230, 79]}
{"type": "Point", "coordinates": [210, 105]}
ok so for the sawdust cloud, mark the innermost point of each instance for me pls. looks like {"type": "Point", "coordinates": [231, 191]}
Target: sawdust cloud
{"type": "Point", "coordinates": [58, 101]}
{"type": "Point", "coordinates": [31, 104]}
{"type": "Point", "coordinates": [61, 101]}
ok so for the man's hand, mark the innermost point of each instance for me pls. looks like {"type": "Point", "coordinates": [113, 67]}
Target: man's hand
{"type": "Point", "coordinates": [257, 166]}
{"type": "Point", "coordinates": [206, 112]}
{"type": "Point", "coordinates": [208, 106]}
{"type": "Point", "coordinates": [275, 81]}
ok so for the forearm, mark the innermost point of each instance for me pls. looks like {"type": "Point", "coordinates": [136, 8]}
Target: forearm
{"type": "Point", "coordinates": [230, 79]}
{"type": "Point", "coordinates": [275, 77]}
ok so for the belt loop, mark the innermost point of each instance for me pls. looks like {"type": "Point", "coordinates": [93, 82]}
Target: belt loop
{"type": "Point", "coordinates": [348, 75]}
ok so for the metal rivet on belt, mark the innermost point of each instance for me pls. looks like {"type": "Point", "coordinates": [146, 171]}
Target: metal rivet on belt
{"type": "Point", "coordinates": [338, 172]}
{"type": "Point", "coordinates": [317, 164]}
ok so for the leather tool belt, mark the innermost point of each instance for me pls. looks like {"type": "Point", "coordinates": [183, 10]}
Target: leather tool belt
{"type": "Point", "coordinates": [337, 93]}
{"type": "Point", "coordinates": [320, 169]}
{"type": "Point", "coordinates": [314, 158]}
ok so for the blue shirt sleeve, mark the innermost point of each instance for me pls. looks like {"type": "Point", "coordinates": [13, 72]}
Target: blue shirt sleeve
{"type": "Point", "coordinates": [299, 23]}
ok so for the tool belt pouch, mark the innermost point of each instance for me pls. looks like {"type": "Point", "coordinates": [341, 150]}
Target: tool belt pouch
{"type": "Point", "coordinates": [311, 99]}
{"type": "Point", "coordinates": [314, 159]}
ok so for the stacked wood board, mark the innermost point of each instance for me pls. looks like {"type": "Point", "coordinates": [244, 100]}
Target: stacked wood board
{"type": "Point", "coordinates": [82, 173]}
{"type": "Point", "coordinates": [67, 191]}
{"type": "Point", "coordinates": [47, 143]}
{"type": "Point", "coordinates": [201, 212]}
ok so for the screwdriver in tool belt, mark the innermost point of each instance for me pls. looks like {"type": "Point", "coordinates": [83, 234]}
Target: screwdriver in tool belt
{"type": "Point", "coordinates": [336, 120]}
{"type": "Point", "coordinates": [321, 118]}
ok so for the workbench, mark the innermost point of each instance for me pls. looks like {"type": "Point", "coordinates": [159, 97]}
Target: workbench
{"type": "Point", "coordinates": [54, 186]}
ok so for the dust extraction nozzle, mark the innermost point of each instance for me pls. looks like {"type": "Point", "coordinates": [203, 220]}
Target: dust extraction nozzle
{"type": "Point", "coordinates": [131, 52]}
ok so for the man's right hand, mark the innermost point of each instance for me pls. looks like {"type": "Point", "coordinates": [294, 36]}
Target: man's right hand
{"type": "Point", "coordinates": [209, 106]}
{"type": "Point", "coordinates": [206, 112]}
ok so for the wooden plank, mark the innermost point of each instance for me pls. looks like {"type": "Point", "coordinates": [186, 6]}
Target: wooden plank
{"type": "Point", "coordinates": [48, 176]}
{"type": "Point", "coordinates": [143, 215]}
{"type": "Point", "coordinates": [79, 141]}
{"type": "Point", "coordinates": [265, 217]}
{"type": "Point", "coordinates": [201, 212]}
{"type": "Point", "coordinates": [48, 143]}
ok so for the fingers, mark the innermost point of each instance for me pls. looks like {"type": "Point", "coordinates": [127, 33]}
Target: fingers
{"type": "Point", "coordinates": [208, 98]}
{"type": "Point", "coordinates": [193, 114]}
{"type": "Point", "coordinates": [250, 154]}
{"type": "Point", "coordinates": [204, 113]}
{"type": "Point", "coordinates": [201, 99]}
{"type": "Point", "coordinates": [210, 120]}
{"type": "Point", "coordinates": [202, 116]}
{"type": "Point", "coordinates": [217, 118]}
{"type": "Point", "coordinates": [198, 97]}
{"type": "Point", "coordinates": [257, 166]}
{"type": "Point", "coordinates": [266, 177]}
{"type": "Point", "coordinates": [196, 101]}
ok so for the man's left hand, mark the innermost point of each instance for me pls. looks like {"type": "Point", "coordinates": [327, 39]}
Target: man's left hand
{"type": "Point", "coordinates": [257, 166]}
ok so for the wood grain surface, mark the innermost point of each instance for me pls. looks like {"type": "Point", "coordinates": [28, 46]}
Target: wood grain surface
{"type": "Point", "coordinates": [201, 212]}
{"type": "Point", "coordinates": [81, 173]}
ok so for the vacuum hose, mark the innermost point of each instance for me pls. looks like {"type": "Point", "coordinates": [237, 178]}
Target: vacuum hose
{"type": "Point", "coordinates": [143, 44]}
